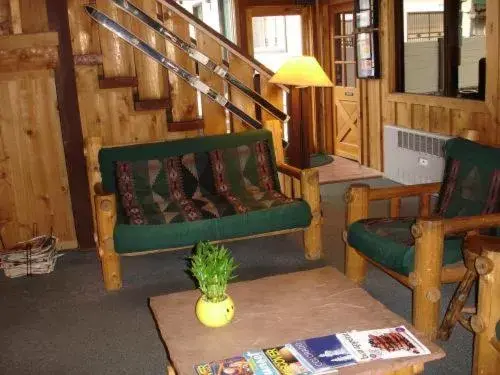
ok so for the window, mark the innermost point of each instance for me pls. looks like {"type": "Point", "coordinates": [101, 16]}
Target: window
{"type": "Point", "coordinates": [269, 34]}
{"type": "Point", "coordinates": [441, 47]}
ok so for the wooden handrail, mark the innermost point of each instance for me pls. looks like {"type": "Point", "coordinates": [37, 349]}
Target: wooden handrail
{"type": "Point", "coordinates": [222, 40]}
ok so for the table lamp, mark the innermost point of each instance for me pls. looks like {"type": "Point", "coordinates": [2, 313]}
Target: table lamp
{"type": "Point", "coordinates": [300, 72]}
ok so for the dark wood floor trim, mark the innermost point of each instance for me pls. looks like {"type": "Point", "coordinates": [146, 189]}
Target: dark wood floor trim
{"type": "Point", "coordinates": [71, 127]}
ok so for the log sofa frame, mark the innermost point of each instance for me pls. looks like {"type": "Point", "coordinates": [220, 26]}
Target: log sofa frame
{"type": "Point", "coordinates": [304, 183]}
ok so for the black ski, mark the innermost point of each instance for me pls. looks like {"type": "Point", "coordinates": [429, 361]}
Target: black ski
{"type": "Point", "coordinates": [192, 79]}
{"type": "Point", "coordinates": [200, 57]}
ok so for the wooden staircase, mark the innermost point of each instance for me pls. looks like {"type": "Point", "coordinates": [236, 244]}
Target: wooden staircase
{"type": "Point", "coordinates": [142, 101]}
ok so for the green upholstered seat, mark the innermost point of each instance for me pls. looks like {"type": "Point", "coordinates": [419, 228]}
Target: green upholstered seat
{"type": "Point", "coordinates": [130, 238]}
{"type": "Point", "coordinates": [390, 243]}
{"type": "Point", "coordinates": [471, 187]}
{"type": "Point", "coordinates": [175, 194]}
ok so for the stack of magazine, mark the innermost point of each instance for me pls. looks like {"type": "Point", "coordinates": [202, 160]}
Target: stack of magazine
{"type": "Point", "coordinates": [35, 256]}
{"type": "Point", "coordinates": [320, 355]}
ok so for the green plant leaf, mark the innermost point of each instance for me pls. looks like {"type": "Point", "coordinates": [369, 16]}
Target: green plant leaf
{"type": "Point", "coordinates": [212, 266]}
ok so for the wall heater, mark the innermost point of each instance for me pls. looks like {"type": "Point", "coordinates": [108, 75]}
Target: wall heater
{"type": "Point", "coordinates": [412, 156]}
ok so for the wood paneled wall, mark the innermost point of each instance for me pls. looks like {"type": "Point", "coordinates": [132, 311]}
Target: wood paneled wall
{"type": "Point", "coordinates": [34, 191]}
{"type": "Point", "coordinates": [380, 105]}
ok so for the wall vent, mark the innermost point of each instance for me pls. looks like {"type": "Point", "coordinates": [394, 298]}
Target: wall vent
{"type": "Point", "coordinates": [412, 156]}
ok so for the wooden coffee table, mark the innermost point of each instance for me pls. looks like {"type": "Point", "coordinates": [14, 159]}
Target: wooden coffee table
{"type": "Point", "coordinates": [276, 310]}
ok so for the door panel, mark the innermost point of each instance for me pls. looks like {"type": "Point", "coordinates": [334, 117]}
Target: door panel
{"type": "Point", "coordinates": [347, 135]}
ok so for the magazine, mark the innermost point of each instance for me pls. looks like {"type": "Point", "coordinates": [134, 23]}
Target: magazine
{"type": "Point", "coordinates": [322, 354]}
{"type": "Point", "coordinates": [260, 364]}
{"type": "Point", "coordinates": [230, 366]}
{"type": "Point", "coordinates": [285, 362]}
{"type": "Point", "coordinates": [386, 343]}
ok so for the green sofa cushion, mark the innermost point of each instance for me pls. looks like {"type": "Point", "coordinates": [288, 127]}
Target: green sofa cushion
{"type": "Point", "coordinates": [135, 238]}
{"type": "Point", "coordinates": [390, 243]}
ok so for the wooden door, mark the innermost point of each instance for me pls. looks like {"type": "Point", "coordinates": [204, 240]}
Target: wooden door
{"type": "Point", "coordinates": [346, 122]}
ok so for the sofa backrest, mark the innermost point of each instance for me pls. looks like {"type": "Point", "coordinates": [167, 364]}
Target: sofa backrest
{"type": "Point", "coordinates": [238, 157]}
{"type": "Point", "coordinates": [471, 184]}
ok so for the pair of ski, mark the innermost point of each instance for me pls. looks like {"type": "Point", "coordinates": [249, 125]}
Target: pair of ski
{"type": "Point", "coordinates": [198, 56]}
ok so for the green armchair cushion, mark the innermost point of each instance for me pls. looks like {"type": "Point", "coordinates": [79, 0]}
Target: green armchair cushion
{"type": "Point", "coordinates": [471, 184]}
{"type": "Point", "coordinates": [390, 243]}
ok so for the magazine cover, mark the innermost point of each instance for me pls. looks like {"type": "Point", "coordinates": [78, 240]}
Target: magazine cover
{"type": "Point", "coordinates": [322, 354]}
{"type": "Point", "coordinates": [383, 343]}
{"type": "Point", "coordinates": [260, 364]}
{"type": "Point", "coordinates": [229, 366]}
{"type": "Point", "coordinates": [285, 362]}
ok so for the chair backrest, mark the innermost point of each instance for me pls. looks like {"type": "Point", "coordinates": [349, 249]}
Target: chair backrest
{"type": "Point", "coordinates": [471, 184]}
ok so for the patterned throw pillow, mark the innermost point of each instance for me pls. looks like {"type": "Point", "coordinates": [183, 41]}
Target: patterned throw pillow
{"type": "Point", "coordinates": [199, 186]}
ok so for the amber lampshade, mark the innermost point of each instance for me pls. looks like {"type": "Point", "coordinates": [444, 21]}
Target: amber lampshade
{"type": "Point", "coordinates": [301, 71]}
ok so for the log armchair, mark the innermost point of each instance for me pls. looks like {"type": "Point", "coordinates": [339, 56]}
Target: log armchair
{"type": "Point", "coordinates": [423, 252]}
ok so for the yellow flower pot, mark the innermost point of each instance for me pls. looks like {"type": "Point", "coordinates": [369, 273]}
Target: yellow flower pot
{"type": "Point", "coordinates": [214, 314]}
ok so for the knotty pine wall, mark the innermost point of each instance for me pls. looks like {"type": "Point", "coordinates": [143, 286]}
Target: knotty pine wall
{"type": "Point", "coordinates": [121, 96]}
{"type": "Point", "coordinates": [380, 105]}
{"type": "Point", "coordinates": [33, 178]}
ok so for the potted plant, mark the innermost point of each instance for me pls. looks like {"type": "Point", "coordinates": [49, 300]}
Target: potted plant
{"type": "Point", "coordinates": [213, 266]}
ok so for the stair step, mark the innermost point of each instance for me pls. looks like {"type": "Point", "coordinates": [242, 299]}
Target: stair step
{"type": "Point", "coordinates": [117, 82]}
{"type": "Point", "coordinates": [151, 104]}
{"type": "Point", "coordinates": [182, 126]}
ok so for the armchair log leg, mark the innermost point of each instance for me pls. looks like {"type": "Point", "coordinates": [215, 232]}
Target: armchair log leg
{"type": "Point", "coordinates": [313, 243]}
{"type": "Point", "coordinates": [357, 208]}
{"type": "Point", "coordinates": [486, 344]}
{"type": "Point", "coordinates": [426, 279]}
{"type": "Point", "coordinates": [110, 261]}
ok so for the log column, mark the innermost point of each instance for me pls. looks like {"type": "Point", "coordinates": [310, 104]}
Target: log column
{"type": "Point", "coordinates": [357, 208]}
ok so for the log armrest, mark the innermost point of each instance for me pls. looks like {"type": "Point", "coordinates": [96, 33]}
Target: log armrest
{"type": "Point", "coordinates": [402, 191]}
{"type": "Point", "coordinates": [289, 170]}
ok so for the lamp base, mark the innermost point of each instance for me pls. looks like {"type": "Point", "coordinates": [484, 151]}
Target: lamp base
{"type": "Point", "coordinates": [319, 159]}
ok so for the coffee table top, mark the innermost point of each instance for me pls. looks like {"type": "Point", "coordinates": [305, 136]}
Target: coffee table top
{"type": "Point", "coordinates": [274, 311]}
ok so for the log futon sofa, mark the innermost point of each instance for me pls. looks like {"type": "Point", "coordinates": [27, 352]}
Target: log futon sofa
{"type": "Point", "coordinates": [170, 195]}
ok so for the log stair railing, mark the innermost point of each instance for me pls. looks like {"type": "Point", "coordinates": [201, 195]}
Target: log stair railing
{"type": "Point", "coordinates": [153, 88]}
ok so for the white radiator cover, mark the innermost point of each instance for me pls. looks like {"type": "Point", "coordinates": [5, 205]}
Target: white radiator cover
{"type": "Point", "coordinates": [412, 156]}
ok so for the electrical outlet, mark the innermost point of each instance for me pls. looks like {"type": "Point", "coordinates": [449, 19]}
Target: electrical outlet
{"type": "Point", "coordinates": [423, 162]}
